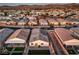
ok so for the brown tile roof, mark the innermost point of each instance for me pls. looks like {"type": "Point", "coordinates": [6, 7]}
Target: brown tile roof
{"type": "Point", "coordinates": [65, 37]}
{"type": "Point", "coordinates": [76, 30]}
{"type": "Point", "coordinates": [37, 35]}
{"type": "Point", "coordinates": [42, 20]}
{"type": "Point", "coordinates": [21, 33]}
{"type": "Point", "coordinates": [72, 42]}
{"type": "Point", "coordinates": [52, 20]}
{"type": "Point", "coordinates": [62, 20]}
{"type": "Point", "coordinates": [63, 34]}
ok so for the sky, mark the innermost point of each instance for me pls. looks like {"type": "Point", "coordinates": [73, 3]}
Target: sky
{"type": "Point", "coordinates": [14, 4]}
{"type": "Point", "coordinates": [39, 1]}
{"type": "Point", "coordinates": [34, 2]}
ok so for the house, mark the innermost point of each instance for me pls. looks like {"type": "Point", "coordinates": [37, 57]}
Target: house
{"type": "Point", "coordinates": [4, 34]}
{"type": "Point", "coordinates": [66, 38]}
{"type": "Point", "coordinates": [73, 21]}
{"type": "Point", "coordinates": [3, 17]}
{"type": "Point", "coordinates": [23, 21]}
{"type": "Point", "coordinates": [75, 17]}
{"type": "Point", "coordinates": [31, 17]}
{"type": "Point", "coordinates": [62, 13]}
{"type": "Point", "coordinates": [11, 23]}
{"type": "Point", "coordinates": [3, 23]}
{"type": "Point", "coordinates": [75, 32]}
{"type": "Point", "coordinates": [32, 22]}
{"type": "Point", "coordinates": [43, 22]}
{"type": "Point", "coordinates": [20, 23]}
{"type": "Point", "coordinates": [38, 39]}
{"type": "Point", "coordinates": [55, 13]}
{"type": "Point", "coordinates": [63, 22]}
{"type": "Point", "coordinates": [18, 38]}
{"type": "Point", "coordinates": [52, 22]}
{"type": "Point", "coordinates": [1, 13]}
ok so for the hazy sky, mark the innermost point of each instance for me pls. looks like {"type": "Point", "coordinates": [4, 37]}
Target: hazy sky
{"type": "Point", "coordinates": [14, 4]}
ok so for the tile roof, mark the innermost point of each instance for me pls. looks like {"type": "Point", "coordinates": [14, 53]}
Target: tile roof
{"type": "Point", "coordinates": [76, 30]}
{"type": "Point", "coordinates": [37, 35]}
{"type": "Point", "coordinates": [63, 33]}
{"type": "Point", "coordinates": [4, 33]}
{"type": "Point", "coordinates": [52, 20]}
{"type": "Point", "coordinates": [62, 20]}
{"type": "Point", "coordinates": [65, 36]}
{"type": "Point", "coordinates": [20, 33]}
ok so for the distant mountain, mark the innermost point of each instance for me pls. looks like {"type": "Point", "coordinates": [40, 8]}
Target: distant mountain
{"type": "Point", "coordinates": [47, 6]}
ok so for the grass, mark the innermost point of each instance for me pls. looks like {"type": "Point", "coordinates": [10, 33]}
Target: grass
{"type": "Point", "coordinates": [16, 53]}
{"type": "Point", "coordinates": [9, 48]}
{"type": "Point", "coordinates": [30, 52]}
{"type": "Point", "coordinates": [71, 52]}
{"type": "Point", "coordinates": [19, 49]}
{"type": "Point", "coordinates": [39, 52]}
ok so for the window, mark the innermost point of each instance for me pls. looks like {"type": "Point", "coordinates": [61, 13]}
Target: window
{"type": "Point", "coordinates": [66, 23]}
{"type": "Point", "coordinates": [36, 44]}
{"type": "Point", "coordinates": [41, 43]}
{"type": "Point", "coordinates": [70, 24]}
{"type": "Point", "coordinates": [31, 43]}
{"type": "Point", "coordinates": [74, 23]}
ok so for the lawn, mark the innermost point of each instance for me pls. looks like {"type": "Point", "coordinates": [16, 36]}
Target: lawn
{"type": "Point", "coordinates": [39, 52]}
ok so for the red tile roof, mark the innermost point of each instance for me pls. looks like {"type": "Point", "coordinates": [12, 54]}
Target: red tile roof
{"type": "Point", "coordinates": [65, 36]}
